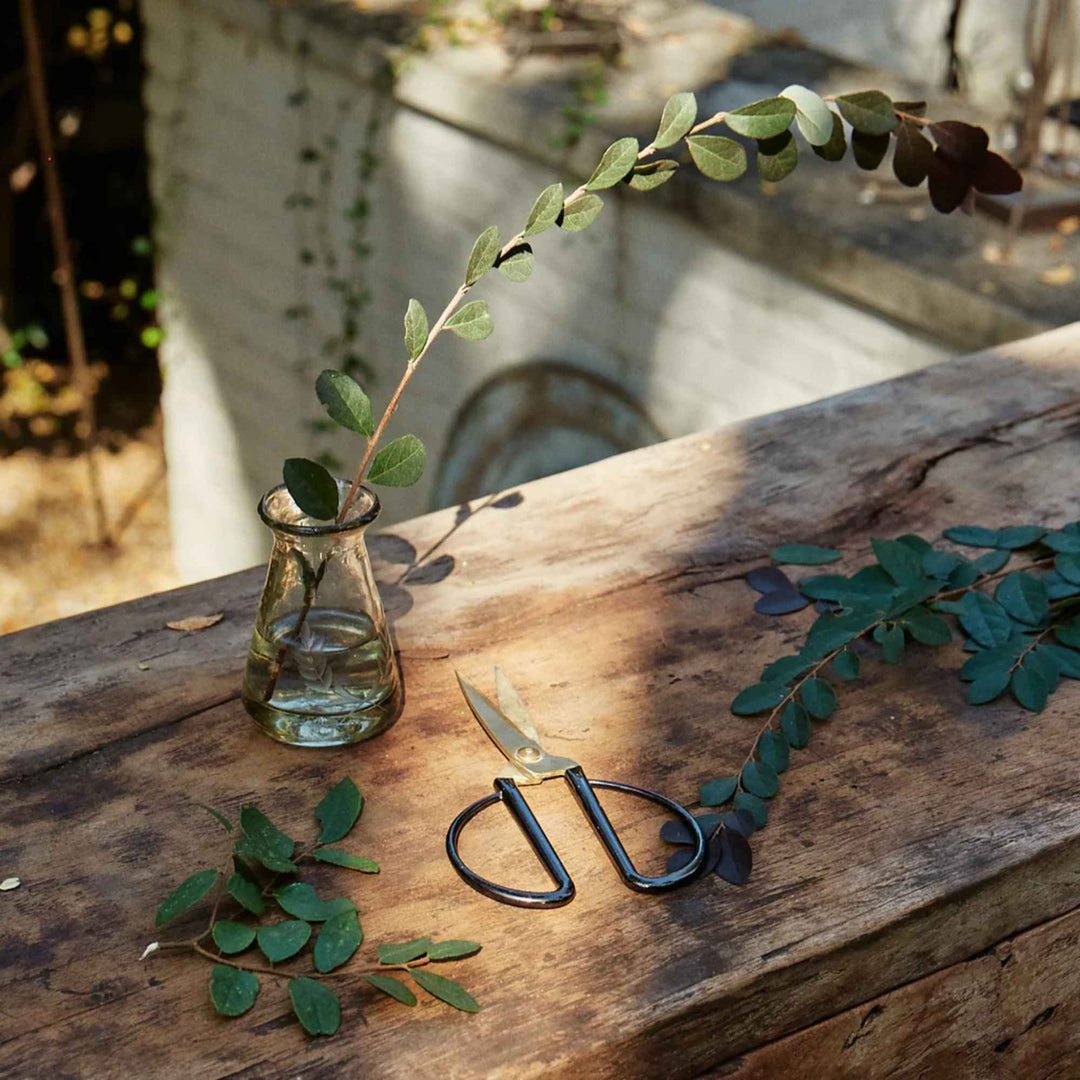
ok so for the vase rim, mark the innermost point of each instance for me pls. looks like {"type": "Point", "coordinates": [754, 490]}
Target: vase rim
{"type": "Point", "coordinates": [361, 517]}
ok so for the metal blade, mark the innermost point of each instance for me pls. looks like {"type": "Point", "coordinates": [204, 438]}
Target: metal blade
{"type": "Point", "coordinates": [524, 753]}
{"type": "Point", "coordinates": [512, 707]}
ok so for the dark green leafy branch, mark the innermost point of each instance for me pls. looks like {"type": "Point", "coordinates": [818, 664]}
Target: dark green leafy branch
{"type": "Point", "coordinates": [1020, 625]}
{"type": "Point", "coordinates": [957, 164]}
{"type": "Point", "coordinates": [262, 855]}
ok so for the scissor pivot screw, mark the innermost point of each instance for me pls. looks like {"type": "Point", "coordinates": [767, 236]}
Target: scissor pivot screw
{"type": "Point", "coordinates": [528, 754]}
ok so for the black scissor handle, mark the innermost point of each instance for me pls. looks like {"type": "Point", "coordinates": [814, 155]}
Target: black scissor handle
{"type": "Point", "coordinates": [507, 791]}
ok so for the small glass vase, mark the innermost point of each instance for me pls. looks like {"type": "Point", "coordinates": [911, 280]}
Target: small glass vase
{"type": "Point", "coordinates": [321, 668]}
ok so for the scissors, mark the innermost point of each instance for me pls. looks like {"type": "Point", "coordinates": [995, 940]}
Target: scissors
{"type": "Point", "coordinates": [512, 731]}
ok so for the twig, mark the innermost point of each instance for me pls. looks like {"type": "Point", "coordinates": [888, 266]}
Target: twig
{"type": "Point", "coordinates": [65, 271]}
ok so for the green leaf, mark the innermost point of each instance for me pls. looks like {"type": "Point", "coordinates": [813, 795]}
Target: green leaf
{"type": "Point", "coordinates": [343, 858]}
{"type": "Point", "coordinates": [964, 575]}
{"type": "Point", "coordinates": [1024, 597]}
{"type": "Point", "coordinates": [452, 950]}
{"type": "Point", "coordinates": [940, 564]}
{"type": "Point", "coordinates": [397, 990]}
{"type": "Point", "coordinates": [836, 147]}
{"type": "Point", "coordinates": [546, 210]}
{"type": "Point", "coordinates": [338, 811]}
{"type": "Point", "coordinates": [232, 991]}
{"type": "Point", "coordinates": [760, 779]}
{"type": "Point", "coordinates": [818, 698]}
{"type": "Point", "coordinates": [785, 669]}
{"type": "Point", "coordinates": [916, 543]}
{"type": "Point", "coordinates": [1065, 660]}
{"type": "Point", "coordinates": [868, 150]}
{"type": "Point", "coordinates": [972, 536]}
{"type": "Point", "coordinates": [1068, 566]}
{"type": "Point", "coordinates": [445, 990]}
{"type": "Point", "coordinates": [232, 937]}
{"type": "Point", "coordinates": [758, 808]}
{"type": "Point", "coordinates": [316, 1006]}
{"type": "Point", "coordinates": [1068, 633]}
{"type": "Point", "coordinates": [483, 255]}
{"type": "Point", "coordinates": [676, 120]}
{"type": "Point", "coordinates": [404, 951]}
{"type": "Point", "coordinates": [777, 157]}
{"type": "Point", "coordinates": [989, 686]}
{"type": "Point", "coordinates": [925, 627]}
{"type": "Point", "coordinates": [1042, 663]}
{"type": "Point", "coordinates": [987, 622]}
{"type": "Point", "coordinates": [912, 594]}
{"type": "Point", "coordinates": [763, 119]}
{"type": "Point", "coordinates": [619, 158]}
{"type": "Point", "coordinates": [891, 640]}
{"type": "Point", "coordinates": [416, 328]}
{"type": "Point", "coordinates": [991, 562]}
{"type": "Point", "coordinates": [716, 157]}
{"type": "Point", "coordinates": [795, 724]}
{"type": "Point", "coordinates": [898, 560]}
{"type": "Point", "coordinates": [758, 699]}
{"type": "Point", "coordinates": [1018, 536]}
{"type": "Point", "coordinates": [186, 896]}
{"type": "Point", "coordinates": [262, 832]}
{"type": "Point", "coordinates": [869, 111]}
{"type": "Point", "coordinates": [773, 751]}
{"type": "Point", "coordinates": [246, 893]}
{"type": "Point", "coordinates": [1029, 688]}
{"type": "Point", "coordinates": [250, 850]}
{"type": "Point", "coordinates": [651, 174]}
{"type": "Point", "coordinates": [580, 213]}
{"type": "Point", "coordinates": [339, 938]}
{"type": "Point", "coordinates": [345, 402]}
{"type": "Point", "coordinates": [804, 554]}
{"type": "Point", "coordinates": [846, 665]}
{"type": "Point", "coordinates": [1068, 543]}
{"type": "Point", "coordinates": [284, 939]}
{"type": "Point", "coordinates": [218, 816]}
{"type": "Point", "coordinates": [518, 264]}
{"type": "Point", "coordinates": [398, 464]}
{"type": "Point", "coordinates": [301, 900]}
{"type": "Point", "coordinates": [312, 488]}
{"type": "Point", "coordinates": [472, 322]}
{"type": "Point", "coordinates": [717, 792]}
{"type": "Point", "coordinates": [987, 661]}
{"type": "Point", "coordinates": [812, 115]}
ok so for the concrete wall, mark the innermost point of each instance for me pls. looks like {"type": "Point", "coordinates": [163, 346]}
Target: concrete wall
{"type": "Point", "coordinates": [696, 334]}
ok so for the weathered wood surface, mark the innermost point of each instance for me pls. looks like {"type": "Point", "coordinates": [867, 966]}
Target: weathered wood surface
{"type": "Point", "coordinates": [915, 832]}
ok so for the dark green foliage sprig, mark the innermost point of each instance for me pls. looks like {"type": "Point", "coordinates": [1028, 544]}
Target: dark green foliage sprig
{"type": "Point", "coordinates": [261, 855]}
{"type": "Point", "coordinates": [958, 165]}
{"type": "Point", "coordinates": [1019, 623]}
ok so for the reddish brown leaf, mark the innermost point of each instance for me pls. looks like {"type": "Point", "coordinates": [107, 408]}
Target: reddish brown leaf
{"type": "Point", "coordinates": [995, 176]}
{"type": "Point", "coordinates": [868, 149]}
{"type": "Point", "coordinates": [948, 184]}
{"type": "Point", "coordinates": [913, 156]}
{"type": "Point", "coordinates": [962, 144]}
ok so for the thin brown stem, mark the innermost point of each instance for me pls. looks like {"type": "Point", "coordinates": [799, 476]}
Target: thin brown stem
{"type": "Point", "coordinates": [716, 118]}
{"type": "Point", "coordinates": [256, 969]}
{"type": "Point", "coordinates": [65, 268]}
{"type": "Point", "coordinates": [990, 577]}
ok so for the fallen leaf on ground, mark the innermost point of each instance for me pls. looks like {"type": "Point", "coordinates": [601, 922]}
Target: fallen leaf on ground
{"type": "Point", "coordinates": [1063, 274]}
{"type": "Point", "coordinates": [196, 622]}
{"type": "Point", "coordinates": [9, 883]}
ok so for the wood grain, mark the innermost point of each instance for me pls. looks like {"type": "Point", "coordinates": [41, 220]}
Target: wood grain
{"type": "Point", "coordinates": [915, 832]}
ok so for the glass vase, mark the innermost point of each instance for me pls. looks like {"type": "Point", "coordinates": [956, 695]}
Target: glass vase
{"type": "Point", "coordinates": [321, 669]}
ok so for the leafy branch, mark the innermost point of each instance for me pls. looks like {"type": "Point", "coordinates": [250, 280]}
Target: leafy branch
{"type": "Point", "coordinates": [262, 855]}
{"type": "Point", "coordinates": [905, 595]}
{"type": "Point", "coordinates": [958, 165]}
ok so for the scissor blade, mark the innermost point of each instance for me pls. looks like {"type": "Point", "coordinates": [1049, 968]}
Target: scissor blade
{"type": "Point", "coordinates": [501, 730]}
{"type": "Point", "coordinates": [512, 707]}
{"type": "Point", "coordinates": [526, 755]}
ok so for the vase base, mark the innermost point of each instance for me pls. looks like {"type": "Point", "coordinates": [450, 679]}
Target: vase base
{"type": "Point", "coordinates": [327, 729]}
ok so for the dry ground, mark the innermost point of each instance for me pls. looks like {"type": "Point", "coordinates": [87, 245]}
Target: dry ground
{"type": "Point", "coordinates": [49, 565]}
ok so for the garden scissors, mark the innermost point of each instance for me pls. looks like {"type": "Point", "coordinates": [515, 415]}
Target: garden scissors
{"type": "Point", "coordinates": [511, 729]}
